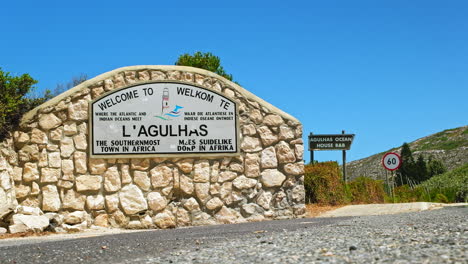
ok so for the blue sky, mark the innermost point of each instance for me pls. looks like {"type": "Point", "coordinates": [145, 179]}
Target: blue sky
{"type": "Point", "coordinates": [388, 71]}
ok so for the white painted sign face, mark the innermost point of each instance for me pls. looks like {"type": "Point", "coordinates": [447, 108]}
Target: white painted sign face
{"type": "Point", "coordinates": [391, 161]}
{"type": "Point", "coordinates": [161, 118]}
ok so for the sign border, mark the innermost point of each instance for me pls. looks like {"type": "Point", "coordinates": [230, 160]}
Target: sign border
{"type": "Point", "coordinates": [161, 155]}
{"type": "Point", "coordinates": [399, 159]}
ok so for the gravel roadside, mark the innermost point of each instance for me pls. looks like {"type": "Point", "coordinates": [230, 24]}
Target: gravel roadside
{"type": "Point", "coordinates": [437, 236]}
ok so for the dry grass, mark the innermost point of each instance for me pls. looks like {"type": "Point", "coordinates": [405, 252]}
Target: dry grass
{"type": "Point", "coordinates": [314, 210]}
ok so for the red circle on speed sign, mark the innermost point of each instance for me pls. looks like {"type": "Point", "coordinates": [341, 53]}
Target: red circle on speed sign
{"type": "Point", "coordinates": [391, 161]}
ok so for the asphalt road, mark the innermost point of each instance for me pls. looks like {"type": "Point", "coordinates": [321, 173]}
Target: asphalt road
{"type": "Point", "coordinates": [435, 236]}
{"type": "Point", "coordinates": [129, 247]}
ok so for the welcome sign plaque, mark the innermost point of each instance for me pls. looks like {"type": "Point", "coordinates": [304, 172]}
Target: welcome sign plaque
{"type": "Point", "coordinates": [161, 118]}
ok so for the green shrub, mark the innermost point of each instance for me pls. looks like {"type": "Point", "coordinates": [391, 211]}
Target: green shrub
{"type": "Point", "coordinates": [323, 185]}
{"type": "Point", "coordinates": [14, 101]}
{"type": "Point", "coordinates": [440, 198]}
{"type": "Point", "coordinates": [365, 190]}
{"type": "Point", "coordinates": [453, 184]}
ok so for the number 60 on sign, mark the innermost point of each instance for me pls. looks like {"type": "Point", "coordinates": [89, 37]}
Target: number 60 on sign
{"type": "Point", "coordinates": [391, 161]}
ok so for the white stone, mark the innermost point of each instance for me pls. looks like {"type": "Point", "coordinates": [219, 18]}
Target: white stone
{"type": "Point", "coordinates": [5, 180]}
{"type": "Point", "coordinates": [17, 174]}
{"type": "Point", "coordinates": [112, 203]}
{"type": "Point", "coordinates": [286, 133]}
{"type": "Point", "coordinates": [243, 182]}
{"type": "Point", "coordinates": [126, 178]}
{"type": "Point", "coordinates": [256, 116]}
{"type": "Point", "coordinates": [33, 223]}
{"type": "Point", "coordinates": [185, 165]}
{"type": "Point", "coordinates": [30, 172]}
{"type": "Point", "coordinates": [54, 160]}
{"type": "Point", "coordinates": [214, 189]}
{"type": "Point", "coordinates": [22, 191]}
{"type": "Point", "coordinates": [164, 220]}
{"type": "Point", "coordinates": [156, 201]}
{"type": "Point", "coordinates": [140, 164]}
{"type": "Point", "coordinates": [214, 204]}
{"type": "Point", "coordinates": [43, 162]}
{"type": "Point", "coordinates": [35, 189]}
{"type": "Point", "coordinates": [214, 176]}
{"type": "Point", "coordinates": [81, 142]}
{"type": "Point", "coordinates": [101, 220]}
{"type": "Point", "coordinates": [67, 167]}
{"type": "Point", "coordinates": [73, 200]}
{"type": "Point", "coordinates": [251, 209]}
{"type": "Point", "coordinates": [95, 202]}
{"type": "Point", "coordinates": [186, 184]}
{"type": "Point", "coordinates": [236, 167]}
{"type": "Point", "coordinates": [50, 198]}
{"type": "Point", "coordinates": [19, 228]}
{"type": "Point", "coordinates": [21, 137]}
{"type": "Point", "coordinates": [78, 111]}
{"type": "Point", "coordinates": [183, 217]}
{"type": "Point", "coordinates": [66, 147]}
{"type": "Point", "coordinates": [27, 210]}
{"type": "Point", "coordinates": [80, 162]}
{"type": "Point", "coordinates": [284, 153]}
{"type": "Point", "coordinates": [52, 147]}
{"type": "Point", "coordinates": [273, 120]}
{"type": "Point", "coordinates": [56, 134]}
{"type": "Point", "coordinates": [294, 168]}
{"type": "Point", "coordinates": [272, 178]}
{"type": "Point", "coordinates": [29, 153]}
{"type": "Point", "coordinates": [38, 137]}
{"type": "Point", "coordinates": [202, 191]}
{"type": "Point", "coordinates": [88, 183]}
{"type": "Point", "coordinates": [75, 228]}
{"type": "Point", "coordinates": [251, 144]}
{"type": "Point", "coordinates": [267, 137]}
{"type": "Point", "coordinates": [227, 176]}
{"type": "Point", "coordinates": [70, 129]}
{"type": "Point", "coordinates": [249, 130]}
{"type": "Point", "coordinates": [50, 175]}
{"type": "Point", "coordinates": [227, 216]}
{"type": "Point", "coordinates": [252, 165]}
{"type": "Point", "coordinates": [264, 200]}
{"type": "Point", "coordinates": [112, 181]}
{"type": "Point", "coordinates": [202, 171]}
{"type": "Point", "coordinates": [191, 205]}
{"type": "Point", "coordinates": [141, 179]}
{"type": "Point", "coordinates": [75, 217]}
{"type": "Point", "coordinates": [132, 200]}
{"type": "Point", "coordinates": [161, 176]}
{"type": "Point", "coordinates": [49, 121]}
{"type": "Point", "coordinates": [97, 166]}
{"type": "Point", "coordinates": [226, 190]}
{"type": "Point", "coordinates": [268, 158]}
{"type": "Point", "coordinates": [299, 151]}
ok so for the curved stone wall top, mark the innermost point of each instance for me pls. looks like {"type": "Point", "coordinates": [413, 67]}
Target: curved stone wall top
{"type": "Point", "coordinates": [130, 75]}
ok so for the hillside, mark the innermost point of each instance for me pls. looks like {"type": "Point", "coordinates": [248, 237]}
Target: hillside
{"type": "Point", "coordinates": [449, 146]}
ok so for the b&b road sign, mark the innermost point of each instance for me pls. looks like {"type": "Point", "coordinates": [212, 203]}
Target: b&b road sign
{"type": "Point", "coordinates": [391, 161]}
{"type": "Point", "coordinates": [330, 142]}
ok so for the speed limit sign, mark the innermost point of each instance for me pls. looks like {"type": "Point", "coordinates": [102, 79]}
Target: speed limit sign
{"type": "Point", "coordinates": [391, 161]}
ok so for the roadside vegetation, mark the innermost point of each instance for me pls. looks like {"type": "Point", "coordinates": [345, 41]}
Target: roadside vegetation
{"type": "Point", "coordinates": [323, 184]}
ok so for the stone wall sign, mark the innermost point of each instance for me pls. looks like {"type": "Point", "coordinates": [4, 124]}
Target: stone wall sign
{"type": "Point", "coordinates": [163, 118]}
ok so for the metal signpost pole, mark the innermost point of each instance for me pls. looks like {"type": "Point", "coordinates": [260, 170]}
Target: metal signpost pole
{"type": "Point", "coordinates": [344, 163]}
{"type": "Point", "coordinates": [311, 151]}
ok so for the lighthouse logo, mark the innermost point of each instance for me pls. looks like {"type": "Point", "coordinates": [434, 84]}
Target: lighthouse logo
{"type": "Point", "coordinates": [165, 113]}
